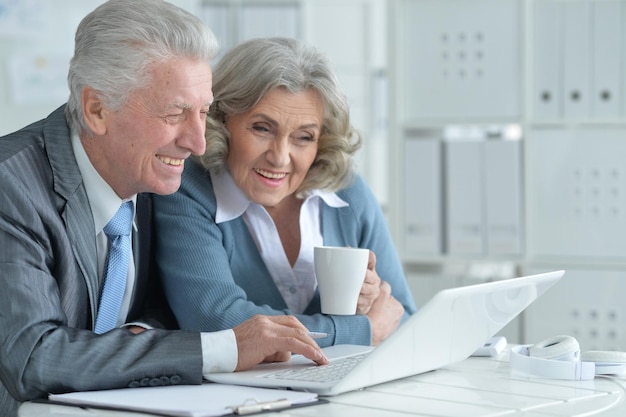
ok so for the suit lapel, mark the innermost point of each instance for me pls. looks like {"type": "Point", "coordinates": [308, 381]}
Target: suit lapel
{"type": "Point", "coordinates": [75, 209]}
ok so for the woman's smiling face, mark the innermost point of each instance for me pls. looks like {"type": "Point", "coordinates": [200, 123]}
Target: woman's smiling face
{"type": "Point", "coordinates": [273, 145]}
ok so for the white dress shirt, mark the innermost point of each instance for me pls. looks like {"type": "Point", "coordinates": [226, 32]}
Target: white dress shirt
{"type": "Point", "coordinates": [219, 349]}
{"type": "Point", "coordinates": [104, 204]}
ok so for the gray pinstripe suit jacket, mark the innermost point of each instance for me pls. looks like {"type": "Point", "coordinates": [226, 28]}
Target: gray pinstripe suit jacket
{"type": "Point", "coordinates": [49, 283]}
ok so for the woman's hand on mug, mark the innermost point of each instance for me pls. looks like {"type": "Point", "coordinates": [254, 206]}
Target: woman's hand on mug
{"type": "Point", "coordinates": [371, 287]}
{"type": "Point", "coordinates": [385, 314]}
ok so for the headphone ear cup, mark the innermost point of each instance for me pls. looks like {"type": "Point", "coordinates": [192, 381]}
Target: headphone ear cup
{"type": "Point", "coordinates": [555, 358]}
{"type": "Point", "coordinates": [557, 347]}
{"type": "Point", "coordinates": [607, 362]}
{"type": "Point", "coordinates": [604, 356]}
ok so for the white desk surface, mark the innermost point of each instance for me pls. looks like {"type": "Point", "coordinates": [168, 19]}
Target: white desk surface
{"type": "Point", "coordinates": [472, 388]}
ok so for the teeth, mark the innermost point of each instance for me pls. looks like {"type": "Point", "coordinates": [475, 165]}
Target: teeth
{"type": "Point", "coordinates": [171, 161]}
{"type": "Point", "coordinates": [272, 175]}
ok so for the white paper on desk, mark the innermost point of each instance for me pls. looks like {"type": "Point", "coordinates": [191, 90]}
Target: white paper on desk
{"type": "Point", "coordinates": [204, 400]}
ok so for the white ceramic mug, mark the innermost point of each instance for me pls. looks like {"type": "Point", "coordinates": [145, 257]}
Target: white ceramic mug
{"type": "Point", "coordinates": [340, 272]}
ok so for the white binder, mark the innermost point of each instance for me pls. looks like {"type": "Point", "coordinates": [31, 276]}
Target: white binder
{"type": "Point", "coordinates": [547, 88]}
{"type": "Point", "coordinates": [422, 191]}
{"type": "Point", "coordinates": [576, 60]}
{"type": "Point", "coordinates": [503, 197]}
{"type": "Point", "coordinates": [607, 38]}
{"type": "Point", "coordinates": [465, 226]}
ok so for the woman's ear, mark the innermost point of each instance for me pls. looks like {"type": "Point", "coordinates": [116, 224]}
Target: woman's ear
{"type": "Point", "coordinates": [94, 112]}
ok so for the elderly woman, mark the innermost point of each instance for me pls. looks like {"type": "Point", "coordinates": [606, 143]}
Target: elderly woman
{"type": "Point", "coordinates": [276, 180]}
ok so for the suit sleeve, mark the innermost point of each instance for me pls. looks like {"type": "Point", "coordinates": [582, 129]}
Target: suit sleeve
{"type": "Point", "coordinates": [45, 344]}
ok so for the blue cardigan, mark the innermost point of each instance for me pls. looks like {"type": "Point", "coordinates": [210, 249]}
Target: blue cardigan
{"type": "Point", "coordinates": [214, 276]}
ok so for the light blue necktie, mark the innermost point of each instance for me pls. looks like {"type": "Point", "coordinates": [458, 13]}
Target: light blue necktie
{"type": "Point", "coordinates": [115, 268]}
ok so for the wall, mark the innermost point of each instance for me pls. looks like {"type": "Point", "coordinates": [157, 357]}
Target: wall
{"type": "Point", "coordinates": [36, 40]}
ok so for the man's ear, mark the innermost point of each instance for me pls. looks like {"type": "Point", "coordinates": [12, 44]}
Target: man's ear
{"type": "Point", "coordinates": [94, 112]}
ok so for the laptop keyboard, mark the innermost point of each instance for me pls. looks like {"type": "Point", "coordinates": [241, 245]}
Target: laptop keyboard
{"type": "Point", "coordinates": [324, 373]}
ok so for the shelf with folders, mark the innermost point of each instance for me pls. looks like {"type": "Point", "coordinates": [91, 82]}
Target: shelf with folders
{"type": "Point", "coordinates": [576, 62]}
{"type": "Point", "coordinates": [554, 68]}
{"type": "Point", "coordinates": [456, 85]}
{"type": "Point", "coordinates": [462, 194]}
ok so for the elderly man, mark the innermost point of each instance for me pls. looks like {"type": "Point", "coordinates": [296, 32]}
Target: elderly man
{"type": "Point", "coordinates": [75, 244]}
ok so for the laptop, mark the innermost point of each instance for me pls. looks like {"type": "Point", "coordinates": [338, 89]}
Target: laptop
{"type": "Point", "coordinates": [451, 326]}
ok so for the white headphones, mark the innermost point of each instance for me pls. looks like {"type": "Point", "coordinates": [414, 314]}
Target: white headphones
{"type": "Point", "coordinates": [559, 357]}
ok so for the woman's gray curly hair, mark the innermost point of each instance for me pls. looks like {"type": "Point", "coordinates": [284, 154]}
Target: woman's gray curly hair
{"type": "Point", "coordinates": [249, 71]}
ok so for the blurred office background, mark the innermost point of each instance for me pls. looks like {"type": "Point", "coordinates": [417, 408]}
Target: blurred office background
{"type": "Point", "coordinates": [494, 131]}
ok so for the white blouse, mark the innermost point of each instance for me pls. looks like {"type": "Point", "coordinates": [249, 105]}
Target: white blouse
{"type": "Point", "coordinates": [297, 285]}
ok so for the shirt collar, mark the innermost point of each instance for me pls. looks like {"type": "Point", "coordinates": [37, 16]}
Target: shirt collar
{"type": "Point", "coordinates": [232, 202]}
{"type": "Point", "coordinates": [103, 200]}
